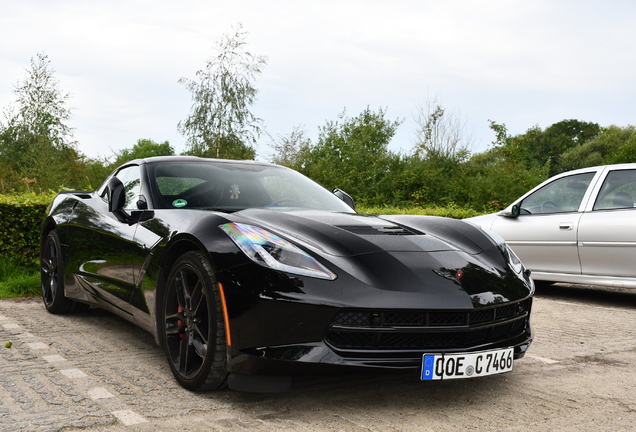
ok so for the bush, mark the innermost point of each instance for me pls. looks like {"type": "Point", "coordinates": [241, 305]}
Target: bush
{"type": "Point", "coordinates": [20, 220]}
{"type": "Point", "coordinates": [451, 211]}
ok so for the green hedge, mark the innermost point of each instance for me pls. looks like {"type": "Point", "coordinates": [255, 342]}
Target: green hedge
{"type": "Point", "coordinates": [20, 221]}
{"type": "Point", "coordinates": [451, 211]}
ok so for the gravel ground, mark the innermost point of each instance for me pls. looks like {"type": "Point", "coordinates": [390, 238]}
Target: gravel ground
{"type": "Point", "coordinates": [94, 371]}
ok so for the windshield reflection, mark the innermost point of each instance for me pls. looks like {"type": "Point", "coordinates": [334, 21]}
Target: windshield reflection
{"type": "Point", "coordinates": [233, 186]}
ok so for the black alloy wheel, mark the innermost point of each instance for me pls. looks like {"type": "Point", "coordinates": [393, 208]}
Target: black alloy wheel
{"type": "Point", "coordinates": [193, 324]}
{"type": "Point", "coordinates": [52, 278]}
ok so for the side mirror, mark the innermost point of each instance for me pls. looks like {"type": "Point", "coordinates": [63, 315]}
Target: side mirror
{"type": "Point", "coordinates": [344, 197]}
{"type": "Point", "coordinates": [116, 195]}
{"type": "Point", "coordinates": [514, 211]}
{"type": "Point", "coordinates": [117, 200]}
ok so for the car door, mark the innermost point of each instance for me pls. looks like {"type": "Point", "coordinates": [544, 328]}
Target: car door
{"type": "Point", "coordinates": [544, 235]}
{"type": "Point", "coordinates": [607, 233]}
{"type": "Point", "coordinates": [104, 246]}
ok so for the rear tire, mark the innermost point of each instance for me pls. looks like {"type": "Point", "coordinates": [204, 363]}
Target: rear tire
{"type": "Point", "coordinates": [193, 327]}
{"type": "Point", "coordinates": [52, 278]}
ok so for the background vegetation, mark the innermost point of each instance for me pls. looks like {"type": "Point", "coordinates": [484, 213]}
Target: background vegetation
{"type": "Point", "coordinates": [439, 175]}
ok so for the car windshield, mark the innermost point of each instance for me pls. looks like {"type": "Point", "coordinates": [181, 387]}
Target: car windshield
{"type": "Point", "coordinates": [233, 186]}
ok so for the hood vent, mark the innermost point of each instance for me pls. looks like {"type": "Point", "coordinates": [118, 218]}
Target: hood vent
{"type": "Point", "coordinates": [377, 230]}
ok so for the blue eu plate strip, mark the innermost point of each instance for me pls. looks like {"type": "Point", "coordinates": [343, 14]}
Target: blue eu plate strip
{"type": "Point", "coordinates": [428, 367]}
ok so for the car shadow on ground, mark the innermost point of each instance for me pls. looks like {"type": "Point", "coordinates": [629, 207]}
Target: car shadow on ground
{"type": "Point", "coordinates": [602, 296]}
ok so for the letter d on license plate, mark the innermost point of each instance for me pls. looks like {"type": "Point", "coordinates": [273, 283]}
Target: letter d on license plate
{"type": "Point", "coordinates": [468, 365]}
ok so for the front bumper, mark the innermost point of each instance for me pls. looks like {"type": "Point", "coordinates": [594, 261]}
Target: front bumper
{"type": "Point", "coordinates": [308, 339]}
{"type": "Point", "coordinates": [281, 325]}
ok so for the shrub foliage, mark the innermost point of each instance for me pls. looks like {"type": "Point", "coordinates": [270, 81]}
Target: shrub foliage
{"type": "Point", "coordinates": [20, 220]}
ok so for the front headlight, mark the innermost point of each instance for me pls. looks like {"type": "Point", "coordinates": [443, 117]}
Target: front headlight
{"type": "Point", "coordinates": [269, 250]}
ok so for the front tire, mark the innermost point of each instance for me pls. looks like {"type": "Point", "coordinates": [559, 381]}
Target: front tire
{"type": "Point", "coordinates": [193, 329]}
{"type": "Point", "coordinates": [52, 278]}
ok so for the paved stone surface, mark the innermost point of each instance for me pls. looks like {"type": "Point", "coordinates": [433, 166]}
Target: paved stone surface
{"type": "Point", "coordinates": [94, 371]}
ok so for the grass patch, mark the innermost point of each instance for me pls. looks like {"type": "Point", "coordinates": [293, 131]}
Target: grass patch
{"type": "Point", "coordinates": [17, 280]}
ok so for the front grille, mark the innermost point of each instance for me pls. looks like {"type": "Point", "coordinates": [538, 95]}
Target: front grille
{"type": "Point", "coordinates": [403, 319]}
{"type": "Point", "coordinates": [446, 319]}
{"type": "Point", "coordinates": [427, 330]}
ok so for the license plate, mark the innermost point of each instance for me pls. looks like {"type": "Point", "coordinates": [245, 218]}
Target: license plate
{"type": "Point", "coordinates": [468, 365]}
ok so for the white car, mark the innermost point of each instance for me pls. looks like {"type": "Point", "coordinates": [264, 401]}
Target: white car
{"type": "Point", "coordinates": [576, 227]}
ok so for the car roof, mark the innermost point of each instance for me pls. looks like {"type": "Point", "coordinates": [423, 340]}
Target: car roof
{"type": "Point", "coordinates": [598, 167]}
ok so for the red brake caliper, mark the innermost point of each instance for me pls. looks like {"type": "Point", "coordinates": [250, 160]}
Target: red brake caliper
{"type": "Point", "coordinates": [180, 323]}
{"type": "Point", "coordinates": [180, 309]}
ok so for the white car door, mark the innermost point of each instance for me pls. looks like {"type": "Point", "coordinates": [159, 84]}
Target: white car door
{"type": "Point", "coordinates": [544, 235]}
{"type": "Point", "coordinates": [607, 231]}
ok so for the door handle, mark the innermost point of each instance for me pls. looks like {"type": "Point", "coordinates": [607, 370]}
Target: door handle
{"type": "Point", "coordinates": [566, 226]}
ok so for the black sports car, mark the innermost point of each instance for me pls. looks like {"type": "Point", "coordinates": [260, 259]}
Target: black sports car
{"type": "Point", "coordinates": [248, 273]}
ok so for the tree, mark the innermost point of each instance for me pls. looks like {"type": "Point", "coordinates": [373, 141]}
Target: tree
{"type": "Point", "coordinates": [611, 145]}
{"type": "Point", "coordinates": [36, 144]}
{"type": "Point", "coordinates": [41, 105]}
{"type": "Point", "coordinates": [622, 141]}
{"type": "Point", "coordinates": [291, 150]}
{"type": "Point", "coordinates": [430, 174]}
{"type": "Point", "coordinates": [144, 148]}
{"type": "Point", "coordinates": [547, 146]}
{"type": "Point", "coordinates": [493, 179]}
{"type": "Point", "coordinates": [352, 154]}
{"type": "Point", "coordinates": [220, 123]}
{"type": "Point", "coordinates": [440, 134]}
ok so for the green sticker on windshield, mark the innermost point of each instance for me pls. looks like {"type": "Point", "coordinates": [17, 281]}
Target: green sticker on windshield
{"type": "Point", "coordinates": [179, 203]}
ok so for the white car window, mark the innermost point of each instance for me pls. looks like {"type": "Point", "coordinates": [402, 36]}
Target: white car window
{"type": "Point", "coordinates": [618, 191]}
{"type": "Point", "coordinates": [562, 195]}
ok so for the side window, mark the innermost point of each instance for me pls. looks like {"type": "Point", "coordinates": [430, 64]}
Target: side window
{"type": "Point", "coordinates": [131, 179]}
{"type": "Point", "coordinates": [560, 196]}
{"type": "Point", "coordinates": [618, 191]}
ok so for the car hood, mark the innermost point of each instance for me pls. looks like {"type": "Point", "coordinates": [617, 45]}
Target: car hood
{"type": "Point", "coordinates": [407, 255]}
{"type": "Point", "coordinates": [350, 234]}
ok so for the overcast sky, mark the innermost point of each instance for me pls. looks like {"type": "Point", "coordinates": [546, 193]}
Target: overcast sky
{"type": "Point", "coordinates": [521, 63]}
